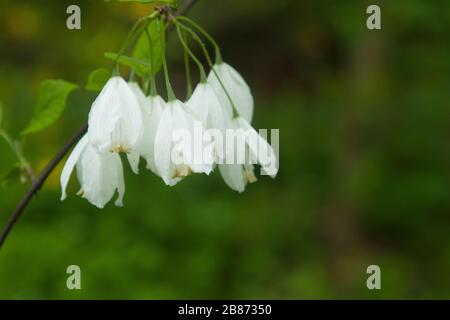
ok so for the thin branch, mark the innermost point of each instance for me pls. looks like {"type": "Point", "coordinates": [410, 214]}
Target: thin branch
{"type": "Point", "coordinates": [39, 181]}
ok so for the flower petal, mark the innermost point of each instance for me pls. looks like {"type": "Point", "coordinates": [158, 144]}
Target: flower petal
{"type": "Point", "coordinates": [233, 176]}
{"type": "Point", "coordinates": [133, 158]}
{"type": "Point", "coordinates": [120, 182]}
{"type": "Point", "coordinates": [200, 101]}
{"type": "Point", "coordinates": [219, 120]}
{"type": "Point", "coordinates": [237, 89]}
{"type": "Point", "coordinates": [139, 94]}
{"type": "Point", "coordinates": [197, 156]}
{"type": "Point", "coordinates": [163, 144]}
{"type": "Point", "coordinates": [115, 119]}
{"type": "Point", "coordinates": [70, 165]}
{"type": "Point", "coordinates": [260, 149]}
{"type": "Point", "coordinates": [147, 147]}
{"type": "Point", "coordinates": [129, 129]}
{"type": "Point", "coordinates": [100, 175]}
{"type": "Point", "coordinates": [104, 115]}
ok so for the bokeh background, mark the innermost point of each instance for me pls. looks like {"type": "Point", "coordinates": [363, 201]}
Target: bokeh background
{"type": "Point", "coordinates": [364, 119]}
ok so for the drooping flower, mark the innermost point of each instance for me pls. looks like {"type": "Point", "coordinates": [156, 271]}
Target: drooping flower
{"type": "Point", "coordinates": [236, 87]}
{"type": "Point", "coordinates": [255, 150]}
{"type": "Point", "coordinates": [206, 107]}
{"type": "Point", "coordinates": [176, 145]}
{"type": "Point", "coordinates": [99, 174]}
{"type": "Point", "coordinates": [151, 109]}
{"type": "Point", "coordinates": [115, 119]}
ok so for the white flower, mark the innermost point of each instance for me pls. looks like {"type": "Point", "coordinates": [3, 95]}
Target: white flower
{"type": "Point", "coordinates": [177, 159]}
{"type": "Point", "coordinates": [115, 119]}
{"type": "Point", "coordinates": [151, 109]}
{"type": "Point", "coordinates": [200, 102]}
{"type": "Point", "coordinates": [99, 174]}
{"type": "Point", "coordinates": [256, 151]}
{"type": "Point", "coordinates": [237, 88]}
{"type": "Point", "coordinates": [206, 107]}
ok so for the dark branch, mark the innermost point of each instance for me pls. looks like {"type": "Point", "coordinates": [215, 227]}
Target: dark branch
{"type": "Point", "coordinates": [39, 181]}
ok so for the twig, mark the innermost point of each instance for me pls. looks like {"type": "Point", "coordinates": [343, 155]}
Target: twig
{"type": "Point", "coordinates": [39, 181]}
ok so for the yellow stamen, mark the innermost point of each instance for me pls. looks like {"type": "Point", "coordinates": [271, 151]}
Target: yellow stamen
{"type": "Point", "coordinates": [249, 176]}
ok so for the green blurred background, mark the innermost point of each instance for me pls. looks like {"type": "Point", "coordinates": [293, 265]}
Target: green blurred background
{"type": "Point", "coordinates": [364, 119]}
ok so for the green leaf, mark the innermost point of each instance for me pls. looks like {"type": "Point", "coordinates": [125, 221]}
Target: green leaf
{"type": "Point", "coordinates": [142, 50]}
{"type": "Point", "coordinates": [170, 3]}
{"type": "Point", "coordinates": [97, 79]}
{"type": "Point", "coordinates": [139, 67]}
{"type": "Point", "coordinates": [51, 104]}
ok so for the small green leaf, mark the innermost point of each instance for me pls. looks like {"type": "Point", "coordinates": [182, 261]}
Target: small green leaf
{"type": "Point", "coordinates": [51, 104]}
{"type": "Point", "coordinates": [142, 49]}
{"type": "Point", "coordinates": [139, 67]}
{"type": "Point", "coordinates": [97, 79]}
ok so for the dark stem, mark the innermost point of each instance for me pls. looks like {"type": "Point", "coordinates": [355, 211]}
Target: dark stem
{"type": "Point", "coordinates": [39, 181]}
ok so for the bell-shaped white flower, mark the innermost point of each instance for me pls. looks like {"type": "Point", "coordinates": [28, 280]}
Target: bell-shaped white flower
{"type": "Point", "coordinates": [199, 104]}
{"type": "Point", "coordinates": [99, 174]}
{"type": "Point", "coordinates": [237, 88]}
{"type": "Point", "coordinates": [151, 109]}
{"type": "Point", "coordinates": [255, 150]}
{"type": "Point", "coordinates": [115, 119]}
{"type": "Point", "coordinates": [178, 150]}
{"type": "Point", "coordinates": [206, 107]}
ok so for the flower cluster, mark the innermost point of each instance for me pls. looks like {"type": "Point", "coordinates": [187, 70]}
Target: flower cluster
{"type": "Point", "coordinates": [123, 119]}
